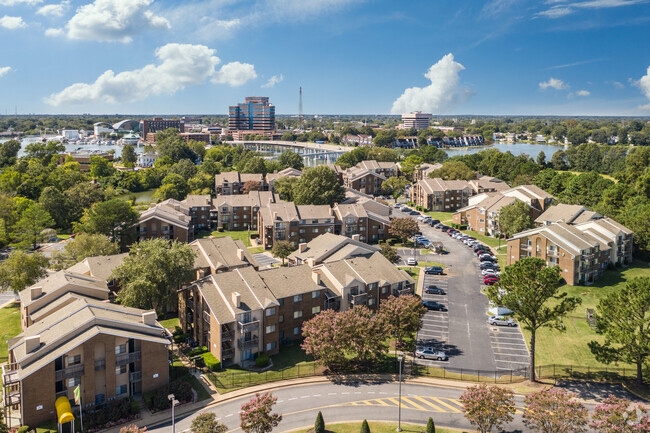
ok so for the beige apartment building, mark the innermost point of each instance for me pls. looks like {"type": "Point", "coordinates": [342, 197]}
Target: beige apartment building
{"type": "Point", "coordinates": [169, 219]}
{"type": "Point", "coordinates": [214, 255]}
{"type": "Point", "coordinates": [232, 182]}
{"type": "Point", "coordinates": [287, 172]}
{"type": "Point", "coordinates": [330, 248]}
{"type": "Point", "coordinates": [358, 220]}
{"type": "Point", "coordinates": [240, 211]}
{"type": "Point", "coordinates": [450, 195]}
{"type": "Point", "coordinates": [285, 221]}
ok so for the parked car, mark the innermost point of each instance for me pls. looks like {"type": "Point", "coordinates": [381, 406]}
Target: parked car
{"type": "Point", "coordinates": [494, 272]}
{"type": "Point", "coordinates": [433, 305]}
{"type": "Point", "coordinates": [434, 290]}
{"type": "Point", "coordinates": [487, 258]}
{"type": "Point", "coordinates": [433, 270]}
{"type": "Point", "coordinates": [489, 265]}
{"type": "Point", "coordinates": [434, 222]}
{"type": "Point", "coordinates": [411, 261]}
{"type": "Point", "coordinates": [501, 321]}
{"type": "Point", "coordinates": [438, 226]}
{"type": "Point", "coordinates": [490, 280]}
{"type": "Point", "coordinates": [429, 353]}
{"type": "Point", "coordinates": [397, 205]}
{"type": "Point", "coordinates": [414, 212]}
{"type": "Point", "coordinates": [481, 250]}
{"type": "Point", "coordinates": [444, 228]}
{"type": "Point", "coordinates": [406, 209]}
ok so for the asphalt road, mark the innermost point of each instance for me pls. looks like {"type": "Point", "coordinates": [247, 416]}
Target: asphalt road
{"type": "Point", "coordinates": [299, 406]}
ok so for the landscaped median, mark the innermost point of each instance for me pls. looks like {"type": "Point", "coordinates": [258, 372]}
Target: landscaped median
{"type": "Point", "coordinates": [376, 427]}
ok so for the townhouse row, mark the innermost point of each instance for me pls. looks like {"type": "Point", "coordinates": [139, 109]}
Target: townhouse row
{"type": "Point", "coordinates": [436, 194]}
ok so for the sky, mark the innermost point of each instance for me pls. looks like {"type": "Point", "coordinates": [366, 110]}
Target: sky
{"type": "Point", "coordinates": [445, 57]}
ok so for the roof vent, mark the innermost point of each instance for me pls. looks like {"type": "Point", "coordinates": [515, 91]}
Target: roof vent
{"type": "Point", "coordinates": [36, 292]}
{"type": "Point", "coordinates": [32, 343]}
{"type": "Point", "coordinates": [356, 237]}
{"type": "Point", "coordinates": [149, 318]}
{"type": "Point", "coordinates": [302, 247]}
{"type": "Point", "coordinates": [240, 254]}
{"type": "Point", "coordinates": [236, 299]}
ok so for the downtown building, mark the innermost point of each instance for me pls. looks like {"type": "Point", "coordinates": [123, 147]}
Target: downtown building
{"type": "Point", "coordinates": [256, 116]}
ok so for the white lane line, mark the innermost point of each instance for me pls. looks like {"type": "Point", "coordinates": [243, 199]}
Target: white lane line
{"type": "Point", "coordinates": [280, 401]}
{"type": "Point", "coordinates": [371, 392]}
{"type": "Point", "coordinates": [305, 396]}
{"type": "Point", "coordinates": [227, 416]}
{"type": "Point", "coordinates": [345, 393]}
{"type": "Point", "coordinates": [383, 392]}
{"type": "Point", "coordinates": [294, 398]}
{"type": "Point", "coordinates": [331, 393]}
{"type": "Point", "coordinates": [316, 395]}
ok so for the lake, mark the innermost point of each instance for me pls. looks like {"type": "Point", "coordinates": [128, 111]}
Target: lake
{"type": "Point", "coordinates": [72, 147]}
{"type": "Point", "coordinates": [529, 149]}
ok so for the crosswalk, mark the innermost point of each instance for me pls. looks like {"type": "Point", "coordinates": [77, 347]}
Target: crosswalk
{"type": "Point", "coordinates": [424, 403]}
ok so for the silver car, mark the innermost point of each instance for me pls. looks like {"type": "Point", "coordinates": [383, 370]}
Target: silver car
{"type": "Point", "coordinates": [430, 353]}
{"type": "Point", "coordinates": [501, 321]}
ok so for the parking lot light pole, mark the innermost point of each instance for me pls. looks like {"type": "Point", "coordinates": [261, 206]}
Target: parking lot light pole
{"type": "Point", "coordinates": [171, 398]}
{"type": "Point", "coordinates": [400, 358]}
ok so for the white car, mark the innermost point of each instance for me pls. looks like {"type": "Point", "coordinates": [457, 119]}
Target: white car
{"type": "Point", "coordinates": [487, 272]}
{"type": "Point", "coordinates": [501, 321]}
{"type": "Point", "coordinates": [411, 261]}
{"type": "Point", "coordinates": [430, 353]}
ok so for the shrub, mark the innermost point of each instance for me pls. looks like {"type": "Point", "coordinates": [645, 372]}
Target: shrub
{"type": "Point", "coordinates": [262, 360]}
{"type": "Point", "coordinates": [177, 331]}
{"type": "Point", "coordinates": [319, 426]}
{"type": "Point", "coordinates": [112, 412]}
{"type": "Point", "coordinates": [197, 351]}
{"type": "Point", "coordinates": [431, 427]}
{"type": "Point", "coordinates": [157, 400]}
{"type": "Point", "coordinates": [211, 361]}
{"type": "Point", "coordinates": [365, 428]}
{"type": "Point", "coordinates": [23, 429]}
{"type": "Point", "coordinates": [180, 338]}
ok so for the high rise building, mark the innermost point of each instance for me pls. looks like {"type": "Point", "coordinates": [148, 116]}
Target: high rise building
{"type": "Point", "coordinates": [255, 116]}
{"type": "Point", "coordinates": [151, 126]}
{"type": "Point", "coordinates": [416, 119]}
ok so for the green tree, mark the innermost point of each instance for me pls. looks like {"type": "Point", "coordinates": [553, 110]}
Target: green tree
{"type": "Point", "coordinates": [101, 167]}
{"type": "Point", "coordinates": [86, 245]}
{"type": "Point", "coordinates": [282, 249]}
{"type": "Point", "coordinates": [624, 320]}
{"type": "Point", "coordinates": [152, 272]}
{"type": "Point", "coordinates": [57, 205]}
{"type": "Point", "coordinates": [385, 138]}
{"type": "Point", "coordinates": [515, 218]}
{"type": "Point", "coordinates": [410, 164]}
{"type": "Point", "coordinates": [365, 428]}
{"type": "Point", "coordinates": [541, 159]}
{"type": "Point", "coordinates": [129, 157]}
{"type": "Point", "coordinates": [531, 290]}
{"type": "Point", "coordinates": [291, 159]}
{"type": "Point", "coordinates": [431, 426]}
{"type": "Point", "coordinates": [82, 196]}
{"type": "Point", "coordinates": [174, 186]}
{"type": "Point", "coordinates": [318, 185]}
{"type": "Point", "coordinates": [488, 407]}
{"type": "Point", "coordinates": [44, 152]}
{"type": "Point", "coordinates": [454, 170]}
{"type": "Point", "coordinates": [285, 187]}
{"type": "Point", "coordinates": [390, 253]}
{"type": "Point", "coordinates": [114, 218]}
{"type": "Point", "coordinates": [8, 152]}
{"type": "Point", "coordinates": [403, 228]}
{"type": "Point", "coordinates": [207, 423]}
{"type": "Point", "coordinates": [170, 144]}
{"type": "Point", "coordinates": [27, 230]}
{"type": "Point", "coordinates": [184, 168]}
{"type": "Point", "coordinates": [319, 425]}
{"type": "Point", "coordinates": [395, 185]}
{"type": "Point", "coordinates": [21, 270]}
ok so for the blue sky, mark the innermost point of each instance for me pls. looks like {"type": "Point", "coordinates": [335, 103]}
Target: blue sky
{"type": "Point", "coordinates": [557, 57]}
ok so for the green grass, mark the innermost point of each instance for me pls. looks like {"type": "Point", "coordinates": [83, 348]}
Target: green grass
{"type": "Point", "coordinates": [256, 250]}
{"type": "Point", "coordinates": [442, 216]}
{"type": "Point", "coordinates": [413, 271]}
{"type": "Point", "coordinates": [487, 240]}
{"type": "Point", "coordinates": [170, 323]}
{"type": "Point", "coordinates": [10, 319]}
{"type": "Point", "coordinates": [243, 235]}
{"type": "Point", "coordinates": [427, 264]}
{"type": "Point", "coordinates": [201, 392]}
{"type": "Point", "coordinates": [377, 427]}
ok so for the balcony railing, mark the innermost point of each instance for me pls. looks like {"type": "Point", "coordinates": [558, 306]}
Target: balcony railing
{"type": "Point", "coordinates": [67, 373]}
{"type": "Point", "coordinates": [227, 335]}
{"type": "Point", "coordinates": [10, 373]}
{"type": "Point", "coordinates": [247, 344]}
{"type": "Point", "coordinates": [135, 376]}
{"type": "Point", "coordinates": [359, 299]}
{"type": "Point", "coordinates": [248, 326]}
{"type": "Point", "coordinates": [402, 292]}
{"type": "Point", "coordinates": [127, 358]}
{"type": "Point", "coordinates": [100, 364]}
{"type": "Point", "coordinates": [12, 398]}
{"type": "Point", "coordinates": [227, 353]}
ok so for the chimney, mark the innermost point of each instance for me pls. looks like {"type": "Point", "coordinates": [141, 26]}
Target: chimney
{"type": "Point", "coordinates": [302, 247]}
{"type": "Point", "coordinates": [149, 318]}
{"type": "Point", "coordinates": [275, 216]}
{"type": "Point", "coordinates": [32, 343]}
{"type": "Point", "coordinates": [36, 292]}
{"type": "Point", "coordinates": [311, 262]}
{"type": "Point", "coordinates": [236, 299]}
{"type": "Point", "coordinates": [315, 276]}
{"type": "Point", "coordinates": [200, 273]}
{"type": "Point", "coordinates": [331, 211]}
{"type": "Point", "coordinates": [356, 237]}
{"type": "Point", "coordinates": [240, 254]}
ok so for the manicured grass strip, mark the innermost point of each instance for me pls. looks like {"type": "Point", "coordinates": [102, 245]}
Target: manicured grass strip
{"type": "Point", "coordinates": [413, 271]}
{"type": "Point", "coordinates": [256, 250]}
{"type": "Point", "coordinates": [243, 235]}
{"type": "Point", "coordinates": [441, 216]}
{"type": "Point", "coordinates": [487, 240]}
{"type": "Point", "coordinates": [170, 323]}
{"type": "Point", "coordinates": [377, 427]}
{"type": "Point", "coordinates": [427, 264]}
{"type": "Point", "coordinates": [201, 392]}
{"type": "Point", "coordinates": [10, 320]}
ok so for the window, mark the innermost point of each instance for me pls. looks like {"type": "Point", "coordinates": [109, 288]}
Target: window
{"type": "Point", "coordinates": [315, 310]}
{"type": "Point", "coordinates": [315, 230]}
{"type": "Point", "coordinates": [120, 390]}
{"type": "Point", "coordinates": [74, 360]}
{"type": "Point", "coordinates": [302, 231]}
{"type": "Point", "coordinates": [74, 381]}
{"type": "Point", "coordinates": [297, 314]}
{"type": "Point", "coordinates": [270, 346]}
{"type": "Point", "coordinates": [270, 311]}
{"type": "Point", "coordinates": [371, 301]}
{"type": "Point", "coordinates": [120, 369]}
{"type": "Point", "coordinates": [270, 328]}
{"type": "Point", "coordinates": [296, 330]}
{"type": "Point", "coordinates": [384, 290]}
{"type": "Point", "coordinates": [315, 294]}
{"type": "Point", "coordinates": [281, 301]}
{"type": "Point", "coordinates": [120, 349]}
{"type": "Point", "coordinates": [297, 298]}
{"type": "Point", "coordinates": [281, 318]}
{"type": "Point", "coordinates": [314, 221]}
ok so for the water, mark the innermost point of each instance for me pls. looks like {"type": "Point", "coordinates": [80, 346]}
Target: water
{"type": "Point", "coordinates": [140, 197]}
{"type": "Point", "coordinates": [72, 147]}
{"type": "Point", "coordinates": [529, 149]}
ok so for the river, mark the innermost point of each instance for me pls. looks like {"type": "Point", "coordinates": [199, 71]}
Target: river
{"type": "Point", "coordinates": [529, 149]}
{"type": "Point", "coordinates": [72, 147]}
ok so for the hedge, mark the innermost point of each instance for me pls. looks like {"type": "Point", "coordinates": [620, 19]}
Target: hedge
{"type": "Point", "coordinates": [180, 338]}
{"type": "Point", "coordinates": [262, 360]}
{"type": "Point", "coordinates": [211, 361]}
{"type": "Point", "coordinates": [197, 351]}
{"type": "Point", "coordinates": [23, 429]}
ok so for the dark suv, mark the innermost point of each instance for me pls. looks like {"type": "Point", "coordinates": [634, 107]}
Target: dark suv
{"type": "Point", "coordinates": [433, 270]}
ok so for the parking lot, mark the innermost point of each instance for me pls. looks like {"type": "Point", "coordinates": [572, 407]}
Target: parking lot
{"type": "Point", "coordinates": [435, 325]}
{"type": "Point", "coordinates": [509, 347]}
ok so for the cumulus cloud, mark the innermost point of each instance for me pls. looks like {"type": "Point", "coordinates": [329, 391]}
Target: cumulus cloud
{"type": "Point", "coordinates": [19, 2]}
{"type": "Point", "coordinates": [273, 81]}
{"type": "Point", "coordinates": [4, 70]}
{"type": "Point", "coordinates": [12, 23]}
{"type": "Point", "coordinates": [444, 92]}
{"type": "Point", "coordinates": [54, 32]}
{"type": "Point", "coordinates": [54, 10]}
{"type": "Point", "coordinates": [583, 93]}
{"type": "Point", "coordinates": [644, 85]}
{"type": "Point", "coordinates": [114, 20]}
{"type": "Point", "coordinates": [553, 83]}
{"type": "Point", "coordinates": [235, 74]}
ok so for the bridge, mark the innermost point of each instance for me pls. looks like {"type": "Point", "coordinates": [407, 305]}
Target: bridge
{"type": "Point", "coordinates": [313, 153]}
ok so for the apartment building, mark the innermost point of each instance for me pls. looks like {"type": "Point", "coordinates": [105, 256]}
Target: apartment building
{"type": "Point", "coordinates": [364, 180]}
{"type": "Point", "coordinates": [232, 182]}
{"type": "Point", "coordinates": [330, 248]}
{"type": "Point", "coordinates": [386, 169]}
{"type": "Point", "coordinates": [169, 219]}
{"type": "Point", "coordinates": [83, 157]}
{"type": "Point", "coordinates": [422, 172]}
{"type": "Point", "coordinates": [581, 256]}
{"type": "Point", "coordinates": [287, 172]}
{"type": "Point", "coordinates": [100, 267]}
{"type": "Point", "coordinates": [285, 221]}
{"type": "Point", "coordinates": [214, 255]}
{"type": "Point", "coordinates": [362, 221]}
{"type": "Point", "coordinates": [240, 211]}
{"type": "Point", "coordinates": [567, 213]}
{"type": "Point", "coordinates": [618, 237]}
{"type": "Point", "coordinates": [449, 195]}
{"type": "Point", "coordinates": [338, 170]}
{"type": "Point", "coordinates": [110, 350]}
{"type": "Point", "coordinates": [200, 208]}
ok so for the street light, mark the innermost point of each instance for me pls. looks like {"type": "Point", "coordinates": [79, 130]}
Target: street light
{"type": "Point", "coordinates": [171, 398]}
{"type": "Point", "coordinates": [400, 358]}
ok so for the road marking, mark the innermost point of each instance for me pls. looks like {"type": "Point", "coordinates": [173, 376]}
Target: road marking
{"type": "Point", "coordinates": [294, 398]}
{"type": "Point", "coordinates": [445, 404]}
{"type": "Point", "coordinates": [371, 392]}
{"type": "Point", "coordinates": [412, 403]}
{"type": "Point", "coordinates": [316, 395]}
{"type": "Point", "coordinates": [227, 416]}
{"type": "Point", "coordinates": [428, 403]}
{"type": "Point", "coordinates": [305, 396]}
{"type": "Point", "coordinates": [383, 392]}
{"type": "Point", "coordinates": [331, 393]}
{"type": "Point", "coordinates": [345, 393]}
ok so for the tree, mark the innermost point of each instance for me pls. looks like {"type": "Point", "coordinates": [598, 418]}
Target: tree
{"type": "Point", "coordinates": [618, 415]}
{"type": "Point", "coordinates": [256, 416]}
{"type": "Point", "coordinates": [129, 157]}
{"type": "Point", "coordinates": [152, 272]}
{"type": "Point", "coordinates": [56, 204]}
{"type": "Point", "coordinates": [101, 167]}
{"type": "Point", "coordinates": [319, 425]}
{"type": "Point", "coordinates": [114, 218]}
{"type": "Point", "coordinates": [403, 228]}
{"type": "Point", "coordinates": [33, 220]}
{"type": "Point", "coordinates": [411, 164]}
{"type": "Point", "coordinates": [385, 138]}
{"type": "Point", "coordinates": [431, 426]}
{"type": "Point", "coordinates": [291, 159]}
{"type": "Point", "coordinates": [365, 428]}
{"type": "Point", "coordinates": [515, 218]}
{"type": "Point", "coordinates": [390, 253]}
{"type": "Point", "coordinates": [318, 185]}
{"type": "Point", "coordinates": [282, 249]}
{"type": "Point", "coordinates": [554, 411]}
{"type": "Point", "coordinates": [170, 144]}
{"type": "Point", "coordinates": [526, 288]}
{"type": "Point", "coordinates": [323, 338]}
{"type": "Point", "coordinates": [285, 187]}
{"type": "Point", "coordinates": [174, 186]}
{"type": "Point", "coordinates": [488, 407]}
{"type": "Point", "coordinates": [454, 170]}
{"type": "Point", "coordinates": [395, 185]}
{"type": "Point", "coordinates": [624, 319]}
{"type": "Point", "coordinates": [184, 168]}
{"type": "Point", "coordinates": [44, 151]}
{"type": "Point", "coordinates": [541, 159]}
{"type": "Point", "coordinates": [86, 245]}
{"type": "Point", "coordinates": [251, 185]}
{"type": "Point", "coordinates": [207, 423]}
{"type": "Point", "coordinates": [21, 270]}
{"type": "Point", "coordinates": [401, 316]}
{"type": "Point", "coordinates": [8, 152]}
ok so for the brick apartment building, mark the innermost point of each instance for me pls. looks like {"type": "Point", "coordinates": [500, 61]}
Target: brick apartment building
{"type": "Point", "coordinates": [232, 182]}
{"type": "Point", "coordinates": [449, 195]}
{"type": "Point", "coordinates": [200, 210]}
{"type": "Point", "coordinates": [357, 220]}
{"type": "Point", "coordinates": [169, 219]}
{"type": "Point", "coordinates": [240, 211]}
{"type": "Point", "coordinates": [330, 247]}
{"type": "Point", "coordinates": [367, 176]}
{"type": "Point", "coordinates": [214, 255]}
{"type": "Point", "coordinates": [285, 221]}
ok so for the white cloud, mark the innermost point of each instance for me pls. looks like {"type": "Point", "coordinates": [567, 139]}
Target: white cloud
{"type": "Point", "coordinates": [497, 7]}
{"type": "Point", "coordinates": [553, 83]}
{"type": "Point", "coordinates": [54, 10]}
{"type": "Point", "coordinates": [618, 84]}
{"type": "Point", "coordinates": [273, 81]}
{"type": "Point", "coordinates": [54, 32]}
{"type": "Point", "coordinates": [4, 70]}
{"type": "Point", "coordinates": [444, 92]}
{"type": "Point", "coordinates": [19, 2]}
{"type": "Point", "coordinates": [235, 74]}
{"type": "Point", "coordinates": [644, 85]}
{"type": "Point", "coordinates": [558, 11]}
{"type": "Point", "coordinates": [114, 20]}
{"type": "Point", "coordinates": [179, 66]}
{"type": "Point", "coordinates": [12, 23]}
{"type": "Point", "coordinates": [583, 93]}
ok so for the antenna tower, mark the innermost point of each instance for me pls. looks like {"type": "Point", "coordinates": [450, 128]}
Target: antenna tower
{"type": "Point", "coordinates": [300, 109]}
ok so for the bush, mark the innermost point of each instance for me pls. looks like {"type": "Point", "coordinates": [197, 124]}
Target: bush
{"type": "Point", "coordinates": [262, 360]}
{"type": "Point", "coordinates": [365, 428]}
{"type": "Point", "coordinates": [180, 338]}
{"type": "Point", "coordinates": [319, 426]}
{"type": "Point", "coordinates": [157, 400]}
{"type": "Point", "coordinates": [112, 412]}
{"type": "Point", "coordinates": [197, 351]}
{"type": "Point", "coordinates": [23, 429]}
{"type": "Point", "coordinates": [431, 427]}
{"type": "Point", "coordinates": [177, 331]}
{"type": "Point", "coordinates": [211, 361]}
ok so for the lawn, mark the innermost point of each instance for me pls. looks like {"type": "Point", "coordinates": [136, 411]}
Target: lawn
{"type": "Point", "coordinates": [170, 323]}
{"type": "Point", "coordinates": [243, 235]}
{"type": "Point", "coordinates": [377, 427]}
{"type": "Point", "coordinates": [256, 250]}
{"type": "Point", "coordinates": [413, 271]}
{"type": "Point", "coordinates": [10, 319]}
{"type": "Point", "coordinates": [427, 264]}
{"type": "Point", "coordinates": [442, 216]}
{"type": "Point", "coordinates": [487, 240]}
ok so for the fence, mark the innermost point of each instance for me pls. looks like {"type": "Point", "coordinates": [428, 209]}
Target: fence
{"type": "Point", "coordinates": [490, 376]}
{"type": "Point", "coordinates": [230, 381]}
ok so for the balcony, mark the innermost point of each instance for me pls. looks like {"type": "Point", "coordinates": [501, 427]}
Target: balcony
{"type": "Point", "coordinates": [135, 376]}
{"type": "Point", "coordinates": [67, 373]}
{"type": "Point", "coordinates": [127, 358]}
{"type": "Point", "coordinates": [12, 398]}
{"type": "Point", "coordinates": [10, 374]}
{"type": "Point", "coordinates": [248, 344]}
{"type": "Point", "coordinates": [402, 292]}
{"type": "Point", "coordinates": [359, 299]}
{"type": "Point", "coordinates": [227, 335]}
{"type": "Point", "coordinates": [227, 352]}
{"type": "Point", "coordinates": [100, 364]}
{"type": "Point", "coordinates": [251, 326]}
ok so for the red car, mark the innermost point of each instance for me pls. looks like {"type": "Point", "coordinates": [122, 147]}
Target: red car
{"type": "Point", "coordinates": [490, 280]}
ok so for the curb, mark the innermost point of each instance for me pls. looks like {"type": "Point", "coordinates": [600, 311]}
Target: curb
{"type": "Point", "coordinates": [641, 397]}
